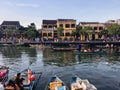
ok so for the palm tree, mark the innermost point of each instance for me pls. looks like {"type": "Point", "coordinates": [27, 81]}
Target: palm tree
{"type": "Point", "coordinates": [85, 32]}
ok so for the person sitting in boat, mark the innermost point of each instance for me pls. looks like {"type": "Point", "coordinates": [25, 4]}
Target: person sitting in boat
{"type": "Point", "coordinates": [11, 85]}
{"type": "Point", "coordinates": [29, 73]}
{"type": "Point", "coordinates": [85, 50]}
{"type": "Point", "coordinates": [89, 50]}
{"type": "Point", "coordinates": [19, 81]}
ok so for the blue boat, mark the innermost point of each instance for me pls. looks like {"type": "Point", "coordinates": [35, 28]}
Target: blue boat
{"type": "Point", "coordinates": [55, 83]}
{"type": "Point", "coordinates": [28, 83]}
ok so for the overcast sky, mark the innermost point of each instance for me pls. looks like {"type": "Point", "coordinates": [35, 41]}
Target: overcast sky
{"type": "Point", "coordinates": [28, 11]}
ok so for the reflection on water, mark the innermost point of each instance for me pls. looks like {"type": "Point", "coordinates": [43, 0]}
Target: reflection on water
{"type": "Point", "coordinates": [101, 70]}
{"type": "Point", "coordinates": [58, 58]}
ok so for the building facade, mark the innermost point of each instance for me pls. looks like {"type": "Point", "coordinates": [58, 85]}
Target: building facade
{"type": "Point", "coordinates": [69, 25]}
{"type": "Point", "coordinates": [11, 25]}
{"type": "Point", "coordinates": [8, 28]}
{"type": "Point", "coordinates": [49, 29]}
{"type": "Point", "coordinates": [94, 33]}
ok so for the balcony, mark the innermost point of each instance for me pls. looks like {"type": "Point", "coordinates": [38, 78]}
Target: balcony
{"type": "Point", "coordinates": [49, 28]}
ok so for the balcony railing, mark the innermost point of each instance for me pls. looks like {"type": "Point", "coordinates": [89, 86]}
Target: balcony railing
{"type": "Point", "coordinates": [49, 28]}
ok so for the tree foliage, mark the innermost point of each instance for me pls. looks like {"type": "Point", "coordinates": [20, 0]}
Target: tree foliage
{"type": "Point", "coordinates": [60, 31]}
{"type": "Point", "coordinates": [114, 29]}
{"type": "Point", "coordinates": [74, 33]}
{"type": "Point", "coordinates": [86, 30]}
{"type": "Point", "coordinates": [31, 31]}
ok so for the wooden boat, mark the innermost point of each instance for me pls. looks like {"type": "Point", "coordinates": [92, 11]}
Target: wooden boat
{"type": "Point", "coordinates": [28, 83]}
{"type": "Point", "coordinates": [97, 52]}
{"type": "Point", "coordinates": [55, 83]}
{"type": "Point", "coordinates": [79, 84]}
{"type": "Point", "coordinates": [62, 49]}
{"type": "Point", "coordinates": [4, 74]}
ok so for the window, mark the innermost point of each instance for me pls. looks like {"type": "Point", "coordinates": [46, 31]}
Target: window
{"type": "Point", "coordinates": [100, 28]}
{"type": "Point", "coordinates": [44, 34]}
{"type": "Point", "coordinates": [4, 27]}
{"type": "Point", "coordinates": [49, 34]}
{"type": "Point", "coordinates": [72, 25]}
{"type": "Point", "coordinates": [55, 26]}
{"type": "Point", "coordinates": [67, 25]}
{"type": "Point", "coordinates": [49, 26]}
{"type": "Point", "coordinates": [95, 28]}
{"type": "Point", "coordinates": [44, 26]}
{"type": "Point", "coordinates": [61, 25]}
{"type": "Point", "coordinates": [67, 34]}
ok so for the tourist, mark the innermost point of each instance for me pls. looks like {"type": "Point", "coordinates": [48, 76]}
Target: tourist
{"type": "Point", "coordinates": [19, 81]}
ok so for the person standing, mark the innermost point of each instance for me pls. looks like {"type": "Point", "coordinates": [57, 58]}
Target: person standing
{"type": "Point", "coordinates": [79, 47]}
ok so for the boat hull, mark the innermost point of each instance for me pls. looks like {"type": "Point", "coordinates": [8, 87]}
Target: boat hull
{"type": "Point", "coordinates": [55, 83]}
{"type": "Point", "coordinates": [86, 53]}
{"type": "Point", "coordinates": [27, 83]}
{"type": "Point", "coordinates": [79, 84]}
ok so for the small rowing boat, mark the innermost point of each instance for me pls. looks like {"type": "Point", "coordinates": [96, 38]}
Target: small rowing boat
{"type": "Point", "coordinates": [55, 83]}
{"type": "Point", "coordinates": [62, 49]}
{"type": "Point", "coordinates": [28, 80]}
{"type": "Point", "coordinates": [79, 84]}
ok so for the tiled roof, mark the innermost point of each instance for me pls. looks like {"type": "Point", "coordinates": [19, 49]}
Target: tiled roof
{"type": "Point", "coordinates": [89, 22]}
{"type": "Point", "coordinates": [66, 20]}
{"type": "Point", "coordinates": [49, 22]}
{"type": "Point", "coordinates": [11, 23]}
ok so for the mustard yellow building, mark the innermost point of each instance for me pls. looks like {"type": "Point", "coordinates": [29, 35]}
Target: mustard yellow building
{"type": "Point", "coordinates": [49, 28]}
{"type": "Point", "coordinates": [96, 28]}
{"type": "Point", "coordinates": [69, 25]}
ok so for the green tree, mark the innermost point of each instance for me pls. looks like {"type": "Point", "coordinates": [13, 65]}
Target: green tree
{"type": "Point", "coordinates": [74, 33]}
{"type": "Point", "coordinates": [78, 29]}
{"type": "Point", "coordinates": [59, 31]}
{"type": "Point", "coordinates": [31, 31]}
{"type": "Point", "coordinates": [86, 31]}
{"type": "Point", "coordinates": [114, 30]}
{"type": "Point", "coordinates": [104, 32]}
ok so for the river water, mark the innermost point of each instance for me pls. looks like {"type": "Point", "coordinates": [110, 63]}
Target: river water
{"type": "Point", "coordinates": [101, 70]}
